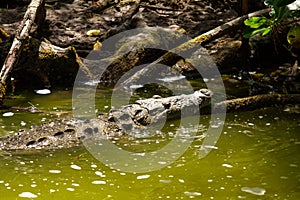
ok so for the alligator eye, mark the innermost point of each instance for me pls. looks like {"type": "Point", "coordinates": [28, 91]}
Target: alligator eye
{"type": "Point", "coordinates": [30, 143]}
{"type": "Point", "coordinates": [58, 133]}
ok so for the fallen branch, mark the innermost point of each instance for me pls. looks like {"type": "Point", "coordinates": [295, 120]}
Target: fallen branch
{"type": "Point", "coordinates": [257, 102]}
{"type": "Point", "coordinates": [21, 36]}
{"type": "Point", "coordinates": [193, 44]}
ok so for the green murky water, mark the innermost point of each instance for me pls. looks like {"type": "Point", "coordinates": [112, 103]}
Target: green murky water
{"type": "Point", "coordinates": [256, 157]}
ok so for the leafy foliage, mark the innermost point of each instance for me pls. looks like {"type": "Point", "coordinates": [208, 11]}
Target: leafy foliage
{"type": "Point", "coordinates": [293, 36]}
{"type": "Point", "coordinates": [280, 15]}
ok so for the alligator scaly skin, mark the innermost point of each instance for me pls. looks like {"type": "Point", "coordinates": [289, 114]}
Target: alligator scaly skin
{"type": "Point", "coordinates": [59, 134]}
{"type": "Point", "coordinates": [117, 123]}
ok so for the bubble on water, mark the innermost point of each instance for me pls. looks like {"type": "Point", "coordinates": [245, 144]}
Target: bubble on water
{"type": "Point", "coordinates": [22, 163]}
{"type": "Point", "coordinates": [250, 124]}
{"type": "Point", "coordinates": [162, 162]}
{"type": "Point", "coordinates": [54, 171]}
{"type": "Point", "coordinates": [216, 126]}
{"type": "Point", "coordinates": [255, 190]}
{"type": "Point", "coordinates": [71, 189]}
{"type": "Point", "coordinates": [75, 167]}
{"type": "Point", "coordinates": [33, 185]}
{"type": "Point", "coordinates": [293, 165]}
{"type": "Point", "coordinates": [43, 91]}
{"type": "Point", "coordinates": [192, 194]}
{"type": "Point", "coordinates": [98, 182]}
{"type": "Point", "coordinates": [75, 184]}
{"type": "Point", "coordinates": [22, 123]}
{"type": "Point", "coordinates": [209, 147]}
{"type": "Point", "coordinates": [172, 78]}
{"type": "Point", "coordinates": [135, 86]}
{"type": "Point", "coordinates": [27, 195]}
{"type": "Point", "coordinates": [284, 177]}
{"type": "Point", "coordinates": [52, 190]}
{"type": "Point", "coordinates": [227, 165]}
{"type": "Point", "coordinates": [181, 180]}
{"type": "Point", "coordinates": [165, 181]}
{"type": "Point", "coordinates": [268, 124]}
{"type": "Point", "coordinates": [145, 176]}
{"type": "Point", "coordinates": [8, 114]}
{"type": "Point", "coordinates": [93, 166]}
{"type": "Point", "coordinates": [99, 174]}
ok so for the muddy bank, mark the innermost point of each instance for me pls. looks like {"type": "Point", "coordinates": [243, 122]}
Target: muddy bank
{"type": "Point", "coordinates": [68, 21]}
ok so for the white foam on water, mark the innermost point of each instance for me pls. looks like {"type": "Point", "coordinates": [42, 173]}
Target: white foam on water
{"type": "Point", "coordinates": [8, 114]}
{"type": "Point", "coordinates": [172, 78]}
{"type": "Point", "coordinates": [43, 91]}
{"type": "Point", "coordinates": [255, 190]}
{"type": "Point", "coordinates": [54, 171]}
{"type": "Point", "coordinates": [27, 195]}
{"type": "Point", "coordinates": [75, 167]}
{"type": "Point", "coordinates": [192, 194]}
{"type": "Point", "coordinates": [97, 182]}
{"type": "Point", "coordinates": [145, 176]}
{"type": "Point", "coordinates": [227, 165]}
{"type": "Point", "coordinates": [71, 189]}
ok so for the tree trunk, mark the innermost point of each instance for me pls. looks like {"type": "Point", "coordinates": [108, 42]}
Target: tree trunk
{"type": "Point", "coordinates": [35, 12]}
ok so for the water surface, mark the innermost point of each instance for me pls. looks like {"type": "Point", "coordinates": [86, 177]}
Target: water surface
{"type": "Point", "coordinates": [256, 157]}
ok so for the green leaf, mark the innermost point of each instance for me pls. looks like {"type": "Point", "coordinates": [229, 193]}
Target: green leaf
{"type": "Point", "coordinates": [250, 32]}
{"type": "Point", "coordinates": [267, 30]}
{"type": "Point", "coordinates": [255, 22]}
{"type": "Point", "coordinates": [293, 36]}
{"type": "Point", "coordinates": [281, 3]}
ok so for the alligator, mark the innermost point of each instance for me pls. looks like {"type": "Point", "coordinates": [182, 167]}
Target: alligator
{"type": "Point", "coordinates": [122, 122]}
